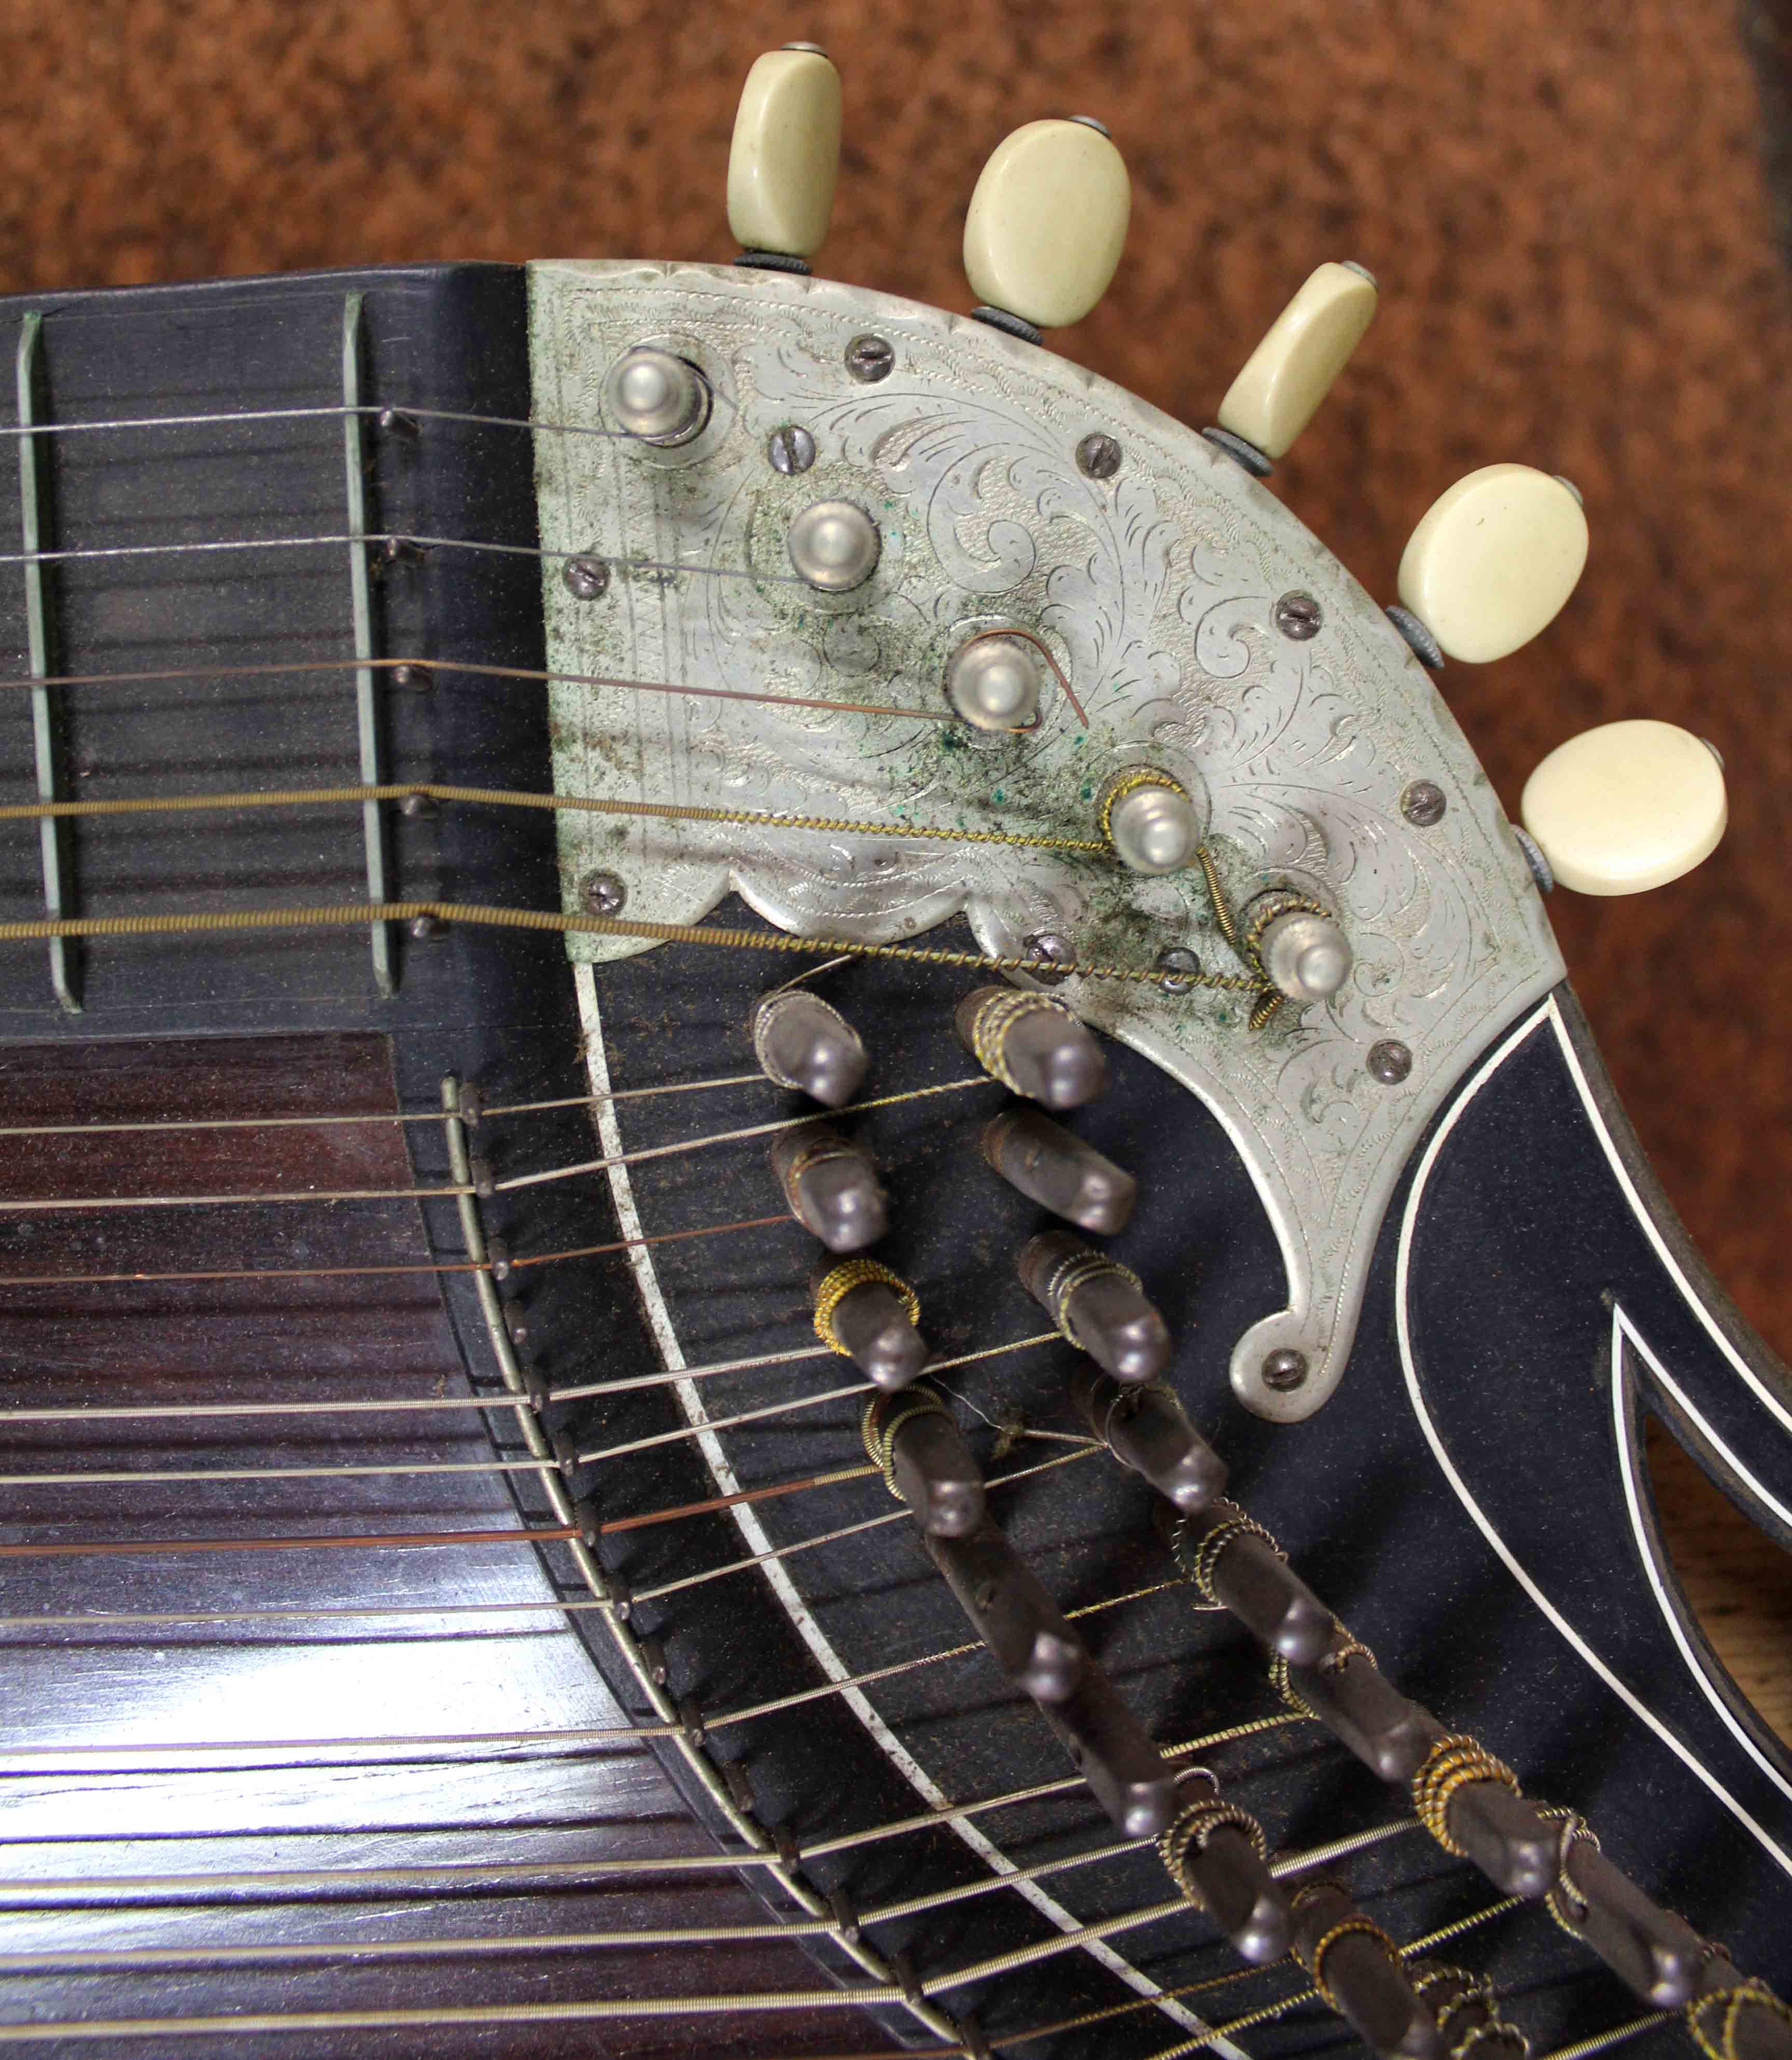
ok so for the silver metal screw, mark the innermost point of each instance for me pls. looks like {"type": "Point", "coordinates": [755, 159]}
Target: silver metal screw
{"type": "Point", "coordinates": [585, 579]}
{"type": "Point", "coordinates": [602, 893]}
{"type": "Point", "coordinates": [1299, 617]}
{"type": "Point", "coordinates": [791, 450]}
{"type": "Point", "coordinates": [1182, 963]}
{"type": "Point", "coordinates": [1423, 803]}
{"type": "Point", "coordinates": [870, 358]}
{"type": "Point", "coordinates": [1099, 455]}
{"type": "Point", "coordinates": [1284, 1370]}
{"type": "Point", "coordinates": [425, 929]}
{"type": "Point", "coordinates": [416, 805]}
{"type": "Point", "coordinates": [1055, 950]}
{"type": "Point", "coordinates": [408, 677]}
{"type": "Point", "coordinates": [1389, 1062]}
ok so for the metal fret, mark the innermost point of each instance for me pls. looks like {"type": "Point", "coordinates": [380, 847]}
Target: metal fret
{"type": "Point", "coordinates": [366, 707]}
{"type": "Point", "coordinates": [53, 835]}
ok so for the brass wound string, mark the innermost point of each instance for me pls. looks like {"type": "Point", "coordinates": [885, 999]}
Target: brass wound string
{"type": "Point", "coordinates": [499, 797]}
{"type": "Point", "coordinates": [358, 916]}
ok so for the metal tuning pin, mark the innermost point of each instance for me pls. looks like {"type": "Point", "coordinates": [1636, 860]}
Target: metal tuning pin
{"type": "Point", "coordinates": [1303, 951]}
{"type": "Point", "coordinates": [1113, 1752]}
{"type": "Point", "coordinates": [1357, 1968]}
{"type": "Point", "coordinates": [802, 1043]}
{"type": "Point", "coordinates": [1531, 1850]}
{"type": "Point", "coordinates": [1626, 806]}
{"type": "Point", "coordinates": [1143, 1425]}
{"type": "Point", "coordinates": [995, 682]}
{"type": "Point", "coordinates": [1234, 1564]}
{"type": "Point", "coordinates": [1470, 1801]}
{"type": "Point", "coordinates": [1656, 1954]}
{"type": "Point", "coordinates": [1738, 2016]}
{"type": "Point", "coordinates": [1467, 2014]}
{"type": "Point", "coordinates": [834, 546]}
{"type": "Point", "coordinates": [1149, 820]}
{"type": "Point", "coordinates": [785, 158]}
{"type": "Point", "coordinates": [1014, 1615]}
{"type": "Point", "coordinates": [1362, 1708]}
{"type": "Point", "coordinates": [1291, 371]}
{"type": "Point", "coordinates": [868, 1314]}
{"type": "Point", "coordinates": [1216, 1854]}
{"type": "Point", "coordinates": [1097, 1304]}
{"type": "Point", "coordinates": [830, 1185]}
{"type": "Point", "coordinates": [1033, 1045]}
{"type": "Point", "coordinates": [914, 1441]}
{"type": "Point", "coordinates": [656, 397]}
{"type": "Point", "coordinates": [1046, 226]}
{"type": "Point", "coordinates": [1491, 563]}
{"type": "Point", "coordinates": [1051, 1166]}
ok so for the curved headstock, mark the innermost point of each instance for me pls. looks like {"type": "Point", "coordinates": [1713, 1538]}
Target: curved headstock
{"type": "Point", "coordinates": [1202, 632]}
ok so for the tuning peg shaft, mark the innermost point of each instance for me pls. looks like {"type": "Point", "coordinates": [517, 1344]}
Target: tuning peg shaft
{"type": "Point", "coordinates": [914, 1439]}
{"type": "Point", "coordinates": [1033, 1045]}
{"type": "Point", "coordinates": [1046, 226]}
{"type": "Point", "coordinates": [1144, 1427]}
{"type": "Point", "coordinates": [784, 157]}
{"type": "Point", "coordinates": [1290, 373]}
{"type": "Point", "coordinates": [1097, 1304]}
{"type": "Point", "coordinates": [1493, 562]}
{"type": "Point", "coordinates": [830, 1185]}
{"type": "Point", "coordinates": [1358, 1970]}
{"type": "Point", "coordinates": [1053, 1167]}
{"type": "Point", "coordinates": [802, 1042]}
{"type": "Point", "coordinates": [1626, 806]}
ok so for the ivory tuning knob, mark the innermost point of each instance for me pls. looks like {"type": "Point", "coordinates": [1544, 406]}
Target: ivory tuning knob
{"type": "Point", "coordinates": [1291, 371]}
{"type": "Point", "coordinates": [1625, 806]}
{"type": "Point", "coordinates": [1046, 226]}
{"type": "Point", "coordinates": [1493, 560]}
{"type": "Point", "coordinates": [784, 157]}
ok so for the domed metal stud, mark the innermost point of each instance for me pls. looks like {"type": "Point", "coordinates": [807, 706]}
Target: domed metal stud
{"type": "Point", "coordinates": [996, 682]}
{"type": "Point", "coordinates": [1307, 957]}
{"type": "Point", "coordinates": [834, 545]}
{"type": "Point", "coordinates": [1148, 818]}
{"type": "Point", "coordinates": [656, 397]}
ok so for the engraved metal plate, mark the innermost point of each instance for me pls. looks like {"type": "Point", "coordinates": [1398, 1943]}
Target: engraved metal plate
{"type": "Point", "coordinates": [1156, 589]}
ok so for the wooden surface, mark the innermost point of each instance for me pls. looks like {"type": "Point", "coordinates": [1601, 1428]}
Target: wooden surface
{"type": "Point", "coordinates": [1565, 208]}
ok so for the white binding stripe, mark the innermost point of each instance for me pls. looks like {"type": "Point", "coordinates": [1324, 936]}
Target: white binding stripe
{"type": "Point", "coordinates": [1621, 1328]}
{"type": "Point", "coordinates": [659, 1317]}
{"type": "Point", "coordinates": [1547, 1013]}
{"type": "Point", "coordinates": [1768, 1401]}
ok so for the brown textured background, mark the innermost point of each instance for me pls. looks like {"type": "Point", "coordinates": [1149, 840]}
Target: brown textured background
{"type": "Point", "coordinates": [1562, 200]}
